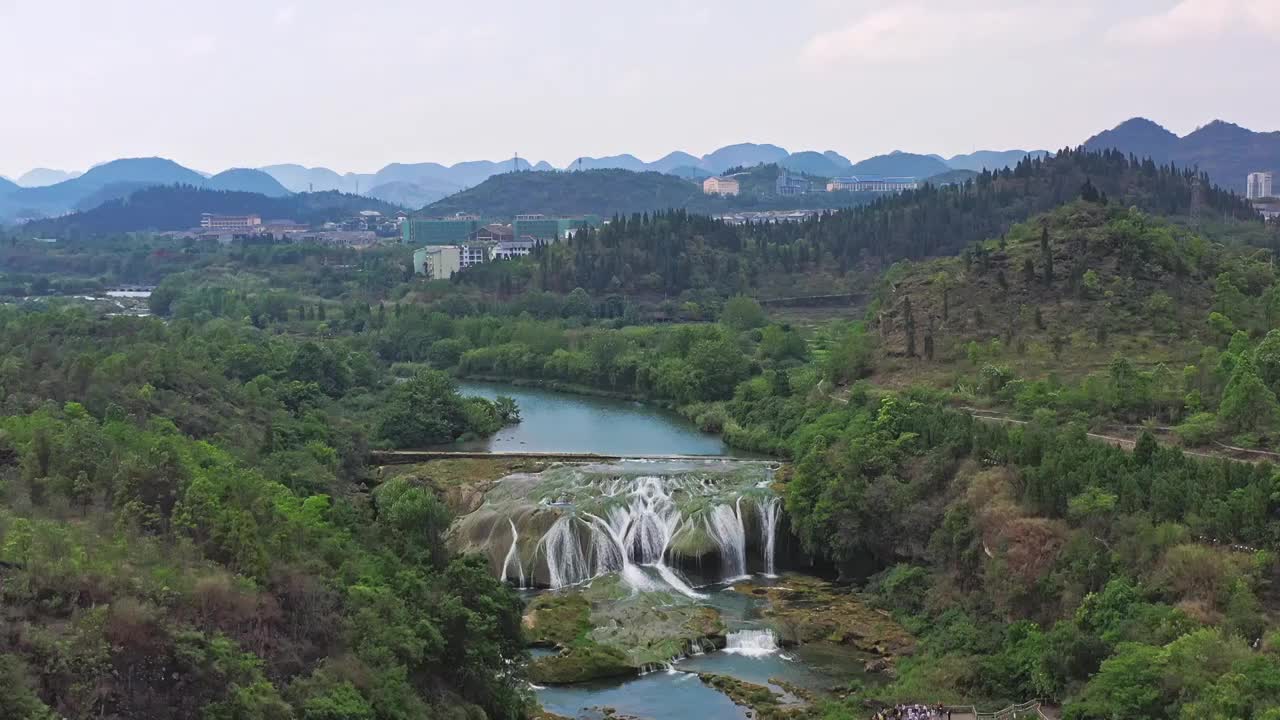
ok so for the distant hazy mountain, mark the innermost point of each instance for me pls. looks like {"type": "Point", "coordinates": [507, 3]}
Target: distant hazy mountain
{"type": "Point", "coordinates": [7, 185]}
{"type": "Point", "coordinates": [828, 164]}
{"type": "Point", "coordinates": [406, 194]}
{"type": "Point", "coordinates": [743, 154]}
{"type": "Point", "coordinates": [154, 170]}
{"type": "Point", "coordinates": [1227, 152]}
{"type": "Point", "coordinates": [68, 194]}
{"type": "Point", "coordinates": [107, 193]}
{"type": "Point", "coordinates": [118, 179]}
{"type": "Point", "coordinates": [678, 159]}
{"type": "Point", "coordinates": [297, 178]}
{"type": "Point", "coordinates": [178, 207]}
{"type": "Point", "coordinates": [618, 162]}
{"type": "Point", "coordinates": [900, 164]}
{"type": "Point", "coordinates": [39, 177]}
{"type": "Point", "coordinates": [431, 177]}
{"type": "Point", "coordinates": [246, 180]}
{"type": "Point", "coordinates": [401, 182]}
{"type": "Point", "coordinates": [1138, 136]}
{"type": "Point", "coordinates": [991, 159]}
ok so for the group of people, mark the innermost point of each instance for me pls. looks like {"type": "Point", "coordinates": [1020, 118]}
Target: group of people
{"type": "Point", "coordinates": [914, 712]}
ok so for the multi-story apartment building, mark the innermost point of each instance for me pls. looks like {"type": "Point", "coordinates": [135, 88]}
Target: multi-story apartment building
{"type": "Point", "coordinates": [1259, 186]}
{"type": "Point", "coordinates": [229, 222]}
{"type": "Point", "coordinates": [721, 186]}
{"type": "Point", "coordinates": [788, 184]}
{"type": "Point", "coordinates": [872, 184]}
{"type": "Point", "coordinates": [437, 262]}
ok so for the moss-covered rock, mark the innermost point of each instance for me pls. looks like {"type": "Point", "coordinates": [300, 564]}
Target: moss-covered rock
{"type": "Point", "coordinates": [804, 609]}
{"type": "Point", "coordinates": [558, 619]}
{"type": "Point", "coordinates": [763, 702]}
{"type": "Point", "coordinates": [583, 661]}
{"type": "Point", "coordinates": [603, 624]}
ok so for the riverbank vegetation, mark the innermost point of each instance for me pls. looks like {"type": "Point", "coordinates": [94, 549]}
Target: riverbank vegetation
{"type": "Point", "coordinates": [181, 534]}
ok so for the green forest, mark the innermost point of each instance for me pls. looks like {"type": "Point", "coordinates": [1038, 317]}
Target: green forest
{"type": "Point", "coordinates": [190, 524]}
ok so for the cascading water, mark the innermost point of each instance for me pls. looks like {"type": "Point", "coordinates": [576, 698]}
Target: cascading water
{"type": "Point", "coordinates": [513, 557]}
{"type": "Point", "coordinates": [630, 518]}
{"type": "Point", "coordinates": [752, 643]}
{"type": "Point", "coordinates": [565, 562]}
{"type": "Point", "coordinates": [639, 532]}
{"type": "Point", "coordinates": [724, 525]}
{"type": "Point", "coordinates": [769, 531]}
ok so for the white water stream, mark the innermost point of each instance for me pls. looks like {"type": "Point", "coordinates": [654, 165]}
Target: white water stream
{"type": "Point", "coordinates": [752, 643]}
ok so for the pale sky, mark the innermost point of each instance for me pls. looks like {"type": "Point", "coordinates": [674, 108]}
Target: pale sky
{"type": "Point", "coordinates": [355, 84]}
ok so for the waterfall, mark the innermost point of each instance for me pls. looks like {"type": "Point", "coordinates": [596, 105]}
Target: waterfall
{"type": "Point", "coordinates": [769, 532]}
{"type": "Point", "coordinates": [752, 643]}
{"type": "Point", "coordinates": [625, 519]}
{"type": "Point", "coordinates": [639, 532]}
{"type": "Point", "coordinates": [513, 556]}
{"type": "Point", "coordinates": [565, 563]}
{"type": "Point", "coordinates": [724, 525]}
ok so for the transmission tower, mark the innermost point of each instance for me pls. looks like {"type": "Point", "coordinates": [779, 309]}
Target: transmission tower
{"type": "Point", "coordinates": [1197, 200]}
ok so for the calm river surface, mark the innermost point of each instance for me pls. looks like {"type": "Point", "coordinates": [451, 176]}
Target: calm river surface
{"type": "Point", "coordinates": [562, 422]}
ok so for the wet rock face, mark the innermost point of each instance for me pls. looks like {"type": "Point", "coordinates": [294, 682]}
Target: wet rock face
{"type": "Point", "coordinates": [571, 523]}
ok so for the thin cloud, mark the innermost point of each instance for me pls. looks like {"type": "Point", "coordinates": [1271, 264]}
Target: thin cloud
{"type": "Point", "coordinates": [913, 32]}
{"type": "Point", "coordinates": [1199, 20]}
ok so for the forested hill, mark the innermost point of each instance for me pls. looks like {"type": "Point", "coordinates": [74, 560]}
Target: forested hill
{"type": "Point", "coordinates": [602, 192]}
{"type": "Point", "coordinates": [1227, 152]}
{"type": "Point", "coordinates": [178, 207]}
{"type": "Point", "coordinates": [623, 192]}
{"type": "Point", "coordinates": [675, 251]}
{"type": "Point", "coordinates": [943, 220]}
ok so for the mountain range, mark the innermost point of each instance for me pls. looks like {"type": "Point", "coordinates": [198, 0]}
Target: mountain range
{"type": "Point", "coordinates": [120, 178]}
{"type": "Point", "coordinates": [1227, 152]}
{"type": "Point", "coordinates": [43, 192]}
{"type": "Point", "coordinates": [39, 177]}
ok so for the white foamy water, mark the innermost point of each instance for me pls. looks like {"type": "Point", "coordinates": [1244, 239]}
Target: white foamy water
{"type": "Point", "coordinates": [752, 643]}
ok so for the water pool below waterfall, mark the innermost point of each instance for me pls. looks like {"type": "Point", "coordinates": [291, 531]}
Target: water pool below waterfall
{"type": "Point", "coordinates": [676, 692]}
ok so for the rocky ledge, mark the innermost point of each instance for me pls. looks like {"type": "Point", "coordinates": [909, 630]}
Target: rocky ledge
{"type": "Point", "coordinates": [805, 609]}
{"type": "Point", "coordinates": [605, 630]}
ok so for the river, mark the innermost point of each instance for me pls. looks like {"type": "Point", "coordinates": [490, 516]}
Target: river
{"type": "Point", "coordinates": [560, 422]}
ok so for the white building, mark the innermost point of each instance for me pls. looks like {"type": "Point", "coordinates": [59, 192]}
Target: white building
{"type": "Point", "coordinates": [720, 186]}
{"type": "Point", "coordinates": [1259, 186]}
{"type": "Point", "coordinates": [438, 262]}
{"type": "Point", "coordinates": [512, 249]}
{"type": "Point", "coordinates": [476, 253]}
{"type": "Point", "coordinates": [229, 222]}
{"type": "Point", "coordinates": [872, 184]}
